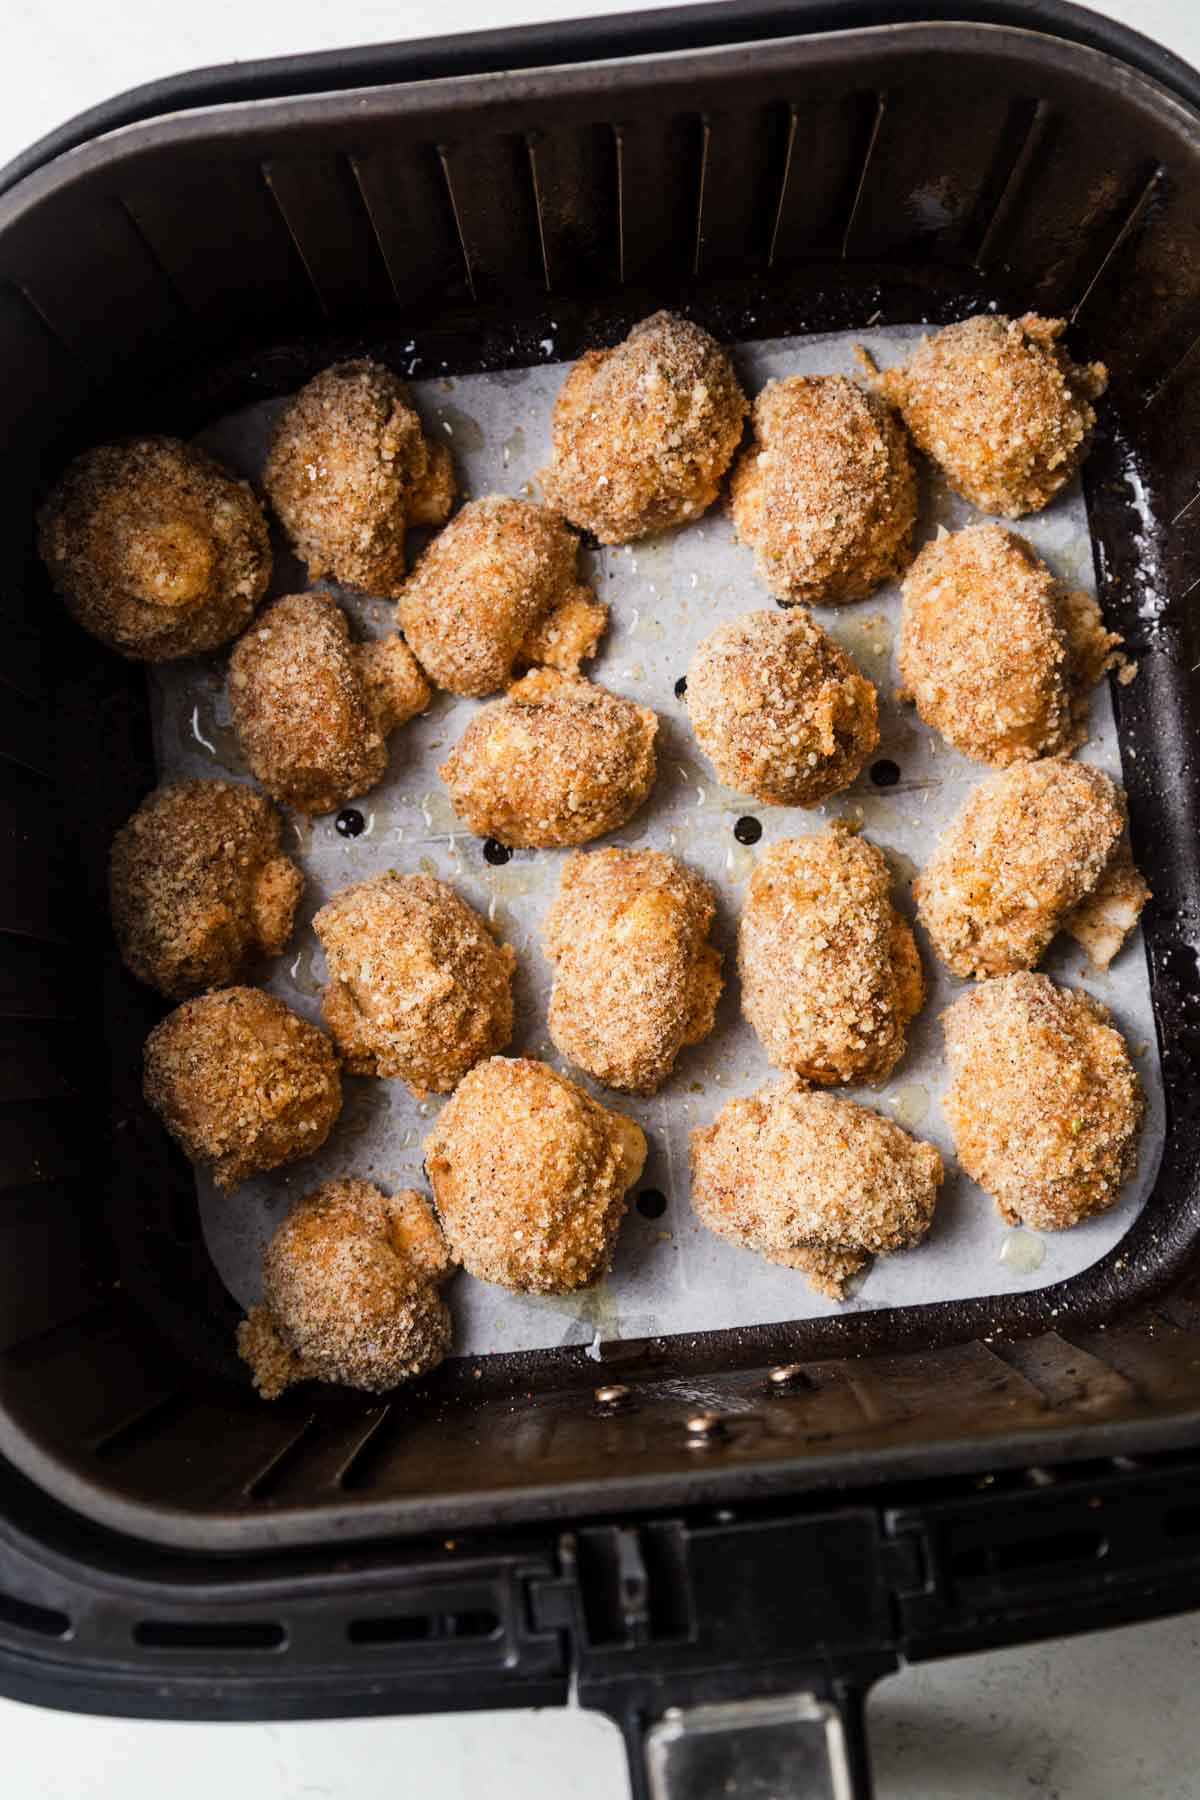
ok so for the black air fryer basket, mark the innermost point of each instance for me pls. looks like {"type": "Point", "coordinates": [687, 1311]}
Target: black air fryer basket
{"type": "Point", "coordinates": [746, 1526]}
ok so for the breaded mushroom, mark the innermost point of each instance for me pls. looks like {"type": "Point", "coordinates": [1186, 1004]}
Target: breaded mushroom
{"type": "Point", "coordinates": [349, 470]}
{"type": "Point", "coordinates": [199, 887]}
{"type": "Point", "coordinates": [530, 1176]}
{"type": "Point", "coordinates": [995, 652]}
{"type": "Point", "coordinates": [351, 1292]}
{"type": "Point", "coordinates": [419, 989]}
{"type": "Point", "coordinates": [635, 978]}
{"type": "Point", "coordinates": [242, 1083]}
{"type": "Point", "coordinates": [557, 761]}
{"type": "Point", "coordinates": [496, 588]}
{"type": "Point", "coordinates": [813, 1181]}
{"type": "Point", "coordinates": [312, 710]}
{"type": "Point", "coordinates": [1030, 846]}
{"type": "Point", "coordinates": [1044, 1103]}
{"type": "Point", "coordinates": [825, 492]}
{"type": "Point", "coordinates": [781, 711]}
{"type": "Point", "coordinates": [154, 548]}
{"type": "Point", "coordinates": [644, 433]}
{"type": "Point", "coordinates": [829, 969]}
{"type": "Point", "coordinates": [998, 404]}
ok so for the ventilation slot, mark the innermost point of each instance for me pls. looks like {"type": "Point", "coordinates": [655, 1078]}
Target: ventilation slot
{"type": "Point", "coordinates": [143, 1425]}
{"type": "Point", "coordinates": [269, 1477]}
{"type": "Point", "coordinates": [359, 1465]}
{"type": "Point", "coordinates": [44, 1620]}
{"type": "Point", "coordinates": [861, 186]}
{"type": "Point", "coordinates": [1175, 368]}
{"type": "Point", "coordinates": [1032, 122]}
{"type": "Point", "coordinates": [240, 1634]}
{"type": "Point", "coordinates": [1133, 220]}
{"type": "Point", "coordinates": [58, 1340]}
{"type": "Point", "coordinates": [987, 1560]}
{"type": "Point", "coordinates": [420, 1628]}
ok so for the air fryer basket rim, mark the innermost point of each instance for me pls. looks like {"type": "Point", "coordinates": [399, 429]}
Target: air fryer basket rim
{"type": "Point", "coordinates": [495, 95]}
{"type": "Point", "coordinates": [557, 43]}
{"type": "Point", "coordinates": [498, 90]}
{"type": "Point", "coordinates": [633, 1496]}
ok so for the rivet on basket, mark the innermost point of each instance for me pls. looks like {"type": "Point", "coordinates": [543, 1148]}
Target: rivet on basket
{"type": "Point", "coordinates": [614, 1398]}
{"type": "Point", "coordinates": [787, 1378]}
{"type": "Point", "coordinates": [704, 1430]}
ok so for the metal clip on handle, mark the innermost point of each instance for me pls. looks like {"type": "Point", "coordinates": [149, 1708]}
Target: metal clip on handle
{"type": "Point", "coordinates": [800, 1746]}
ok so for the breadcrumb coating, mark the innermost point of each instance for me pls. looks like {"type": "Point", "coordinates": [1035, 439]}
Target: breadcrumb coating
{"type": "Point", "coordinates": [644, 433]}
{"type": "Point", "coordinates": [312, 710]}
{"type": "Point", "coordinates": [496, 588]}
{"type": "Point", "coordinates": [825, 492]}
{"type": "Point", "coordinates": [154, 548]}
{"type": "Point", "coordinates": [995, 652]}
{"type": "Point", "coordinates": [350, 1292]}
{"type": "Point", "coordinates": [635, 979]}
{"type": "Point", "coordinates": [242, 1083]}
{"type": "Point", "coordinates": [199, 887]}
{"type": "Point", "coordinates": [419, 989]}
{"type": "Point", "coordinates": [1029, 845]}
{"type": "Point", "coordinates": [998, 404]}
{"type": "Point", "coordinates": [780, 710]}
{"type": "Point", "coordinates": [557, 761]}
{"type": "Point", "coordinates": [1044, 1103]}
{"type": "Point", "coordinates": [530, 1175]}
{"type": "Point", "coordinates": [349, 469]}
{"type": "Point", "coordinates": [813, 1181]}
{"type": "Point", "coordinates": [829, 969]}
{"type": "Point", "coordinates": [1105, 917]}
{"type": "Point", "coordinates": [568, 635]}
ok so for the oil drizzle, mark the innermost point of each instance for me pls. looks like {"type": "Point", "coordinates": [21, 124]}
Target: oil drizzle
{"type": "Point", "coordinates": [215, 736]}
{"type": "Point", "coordinates": [912, 1105]}
{"type": "Point", "coordinates": [302, 972]}
{"type": "Point", "coordinates": [1022, 1251]}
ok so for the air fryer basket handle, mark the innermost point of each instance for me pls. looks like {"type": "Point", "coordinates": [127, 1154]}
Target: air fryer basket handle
{"type": "Point", "coordinates": [802, 1745]}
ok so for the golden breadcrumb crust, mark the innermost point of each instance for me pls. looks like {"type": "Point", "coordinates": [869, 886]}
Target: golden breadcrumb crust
{"type": "Point", "coordinates": [530, 1175]}
{"type": "Point", "coordinates": [154, 548]}
{"type": "Point", "coordinates": [997, 655]}
{"type": "Point", "coordinates": [635, 979]}
{"type": "Point", "coordinates": [242, 1083]}
{"type": "Point", "coordinates": [419, 989]}
{"type": "Point", "coordinates": [350, 1292]}
{"type": "Point", "coordinates": [312, 710]}
{"type": "Point", "coordinates": [557, 761]}
{"type": "Point", "coordinates": [813, 1181]}
{"type": "Point", "coordinates": [1104, 918]}
{"type": "Point", "coordinates": [644, 433]}
{"type": "Point", "coordinates": [825, 492]}
{"type": "Point", "coordinates": [496, 588]}
{"type": "Point", "coordinates": [1043, 1102]}
{"type": "Point", "coordinates": [198, 886]}
{"type": "Point", "coordinates": [1029, 845]}
{"type": "Point", "coordinates": [998, 404]}
{"type": "Point", "coordinates": [781, 711]}
{"type": "Point", "coordinates": [829, 969]}
{"type": "Point", "coordinates": [349, 469]}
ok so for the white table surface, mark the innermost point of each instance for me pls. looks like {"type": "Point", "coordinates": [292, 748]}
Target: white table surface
{"type": "Point", "coordinates": [1108, 1717]}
